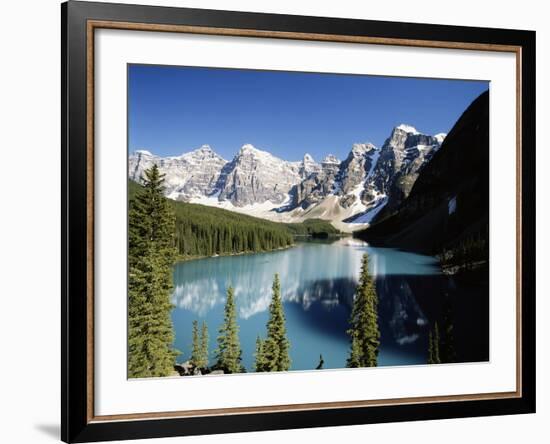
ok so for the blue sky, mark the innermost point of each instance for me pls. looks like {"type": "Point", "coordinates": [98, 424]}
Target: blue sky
{"type": "Point", "coordinates": [173, 110]}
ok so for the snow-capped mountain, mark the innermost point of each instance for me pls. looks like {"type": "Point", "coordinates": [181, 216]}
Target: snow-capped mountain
{"type": "Point", "coordinates": [401, 157]}
{"type": "Point", "coordinates": [190, 175]}
{"type": "Point", "coordinates": [308, 166]}
{"type": "Point", "coordinates": [357, 166]}
{"type": "Point", "coordinates": [349, 193]}
{"type": "Point", "coordinates": [256, 176]}
{"type": "Point", "coordinates": [317, 185]}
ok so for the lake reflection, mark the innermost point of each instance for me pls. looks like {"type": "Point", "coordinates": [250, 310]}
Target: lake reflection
{"type": "Point", "coordinates": [318, 280]}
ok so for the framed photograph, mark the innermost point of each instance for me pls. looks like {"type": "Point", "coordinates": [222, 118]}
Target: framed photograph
{"type": "Point", "coordinates": [276, 221]}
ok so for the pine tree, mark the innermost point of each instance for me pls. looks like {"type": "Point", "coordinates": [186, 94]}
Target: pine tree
{"type": "Point", "coordinates": [204, 346]}
{"type": "Point", "coordinates": [195, 360]}
{"type": "Point", "coordinates": [275, 348]}
{"type": "Point", "coordinates": [354, 359]}
{"type": "Point", "coordinates": [260, 363]}
{"type": "Point", "coordinates": [364, 332]}
{"type": "Point", "coordinates": [151, 253]}
{"type": "Point", "coordinates": [448, 353]}
{"type": "Point", "coordinates": [433, 346]}
{"type": "Point", "coordinates": [228, 353]}
{"type": "Point", "coordinates": [321, 363]}
{"type": "Point", "coordinates": [430, 348]}
{"type": "Point", "coordinates": [437, 342]}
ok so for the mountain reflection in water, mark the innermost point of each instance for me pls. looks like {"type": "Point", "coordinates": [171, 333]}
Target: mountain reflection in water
{"type": "Point", "coordinates": [318, 280]}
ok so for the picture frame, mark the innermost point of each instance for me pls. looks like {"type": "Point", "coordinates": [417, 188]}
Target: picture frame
{"type": "Point", "coordinates": [80, 22]}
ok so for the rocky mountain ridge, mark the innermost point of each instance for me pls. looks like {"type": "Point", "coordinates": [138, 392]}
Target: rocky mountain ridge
{"type": "Point", "coordinates": [350, 192]}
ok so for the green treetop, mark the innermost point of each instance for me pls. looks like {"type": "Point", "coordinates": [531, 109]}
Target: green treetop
{"type": "Point", "coordinates": [199, 354]}
{"type": "Point", "coordinates": [275, 348]}
{"type": "Point", "coordinates": [228, 353]}
{"type": "Point", "coordinates": [364, 331]}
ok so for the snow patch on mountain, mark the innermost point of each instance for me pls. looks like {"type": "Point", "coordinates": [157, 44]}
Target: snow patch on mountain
{"type": "Point", "coordinates": [256, 209]}
{"type": "Point", "coordinates": [452, 205]}
{"type": "Point", "coordinates": [144, 152]}
{"type": "Point", "coordinates": [407, 128]}
{"type": "Point", "coordinates": [375, 208]}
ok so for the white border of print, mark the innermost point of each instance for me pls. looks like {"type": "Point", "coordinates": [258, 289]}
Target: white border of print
{"type": "Point", "coordinates": [115, 394]}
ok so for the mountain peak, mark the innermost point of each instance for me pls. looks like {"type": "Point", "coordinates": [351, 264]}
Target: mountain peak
{"type": "Point", "coordinates": [360, 149]}
{"type": "Point", "coordinates": [407, 129]}
{"type": "Point", "coordinates": [308, 158]}
{"type": "Point", "coordinates": [204, 152]}
{"type": "Point", "coordinates": [249, 151]}
{"type": "Point", "coordinates": [331, 159]}
{"type": "Point", "coordinates": [143, 152]}
{"type": "Point", "coordinates": [440, 137]}
{"type": "Point", "coordinates": [249, 148]}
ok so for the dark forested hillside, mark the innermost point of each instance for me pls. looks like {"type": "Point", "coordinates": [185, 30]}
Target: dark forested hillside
{"type": "Point", "coordinates": [447, 211]}
{"type": "Point", "coordinates": [205, 231]}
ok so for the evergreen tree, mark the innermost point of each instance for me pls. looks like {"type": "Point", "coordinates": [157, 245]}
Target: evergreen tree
{"type": "Point", "coordinates": [275, 348]}
{"type": "Point", "coordinates": [204, 346]}
{"type": "Point", "coordinates": [430, 348]}
{"type": "Point", "coordinates": [437, 342]}
{"type": "Point", "coordinates": [354, 359]}
{"type": "Point", "coordinates": [151, 254]}
{"type": "Point", "coordinates": [260, 363]}
{"type": "Point", "coordinates": [433, 346]}
{"type": "Point", "coordinates": [321, 363]}
{"type": "Point", "coordinates": [195, 360]}
{"type": "Point", "coordinates": [448, 353]}
{"type": "Point", "coordinates": [228, 353]}
{"type": "Point", "coordinates": [364, 331]}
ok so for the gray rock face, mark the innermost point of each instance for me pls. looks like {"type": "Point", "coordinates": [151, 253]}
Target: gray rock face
{"type": "Point", "coordinates": [319, 184]}
{"type": "Point", "coordinates": [356, 167]}
{"type": "Point", "coordinates": [343, 179]}
{"type": "Point", "coordinates": [308, 166]}
{"type": "Point", "coordinates": [190, 175]}
{"type": "Point", "coordinates": [402, 156]}
{"type": "Point", "coordinates": [255, 176]}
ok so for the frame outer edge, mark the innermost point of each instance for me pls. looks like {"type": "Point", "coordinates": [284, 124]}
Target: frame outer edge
{"type": "Point", "coordinates": [528, 206]}
{"type": "Point", "coordinates": [74, 242]}
{"type": "Point", "coordinates": [64, 317]}
{"type": "Point", "coordinates": [75, 422]}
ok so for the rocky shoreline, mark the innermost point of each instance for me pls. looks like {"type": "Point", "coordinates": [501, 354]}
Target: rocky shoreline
{"type": "Point", "coordinates": [188, 369]}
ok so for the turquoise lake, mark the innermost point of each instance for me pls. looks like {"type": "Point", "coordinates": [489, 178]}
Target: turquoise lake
{"type": "Point", "coordinates": [318, 279]}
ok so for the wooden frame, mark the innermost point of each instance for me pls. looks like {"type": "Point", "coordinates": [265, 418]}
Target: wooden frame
{"type": "Point", "coordinates": [79, 21]}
